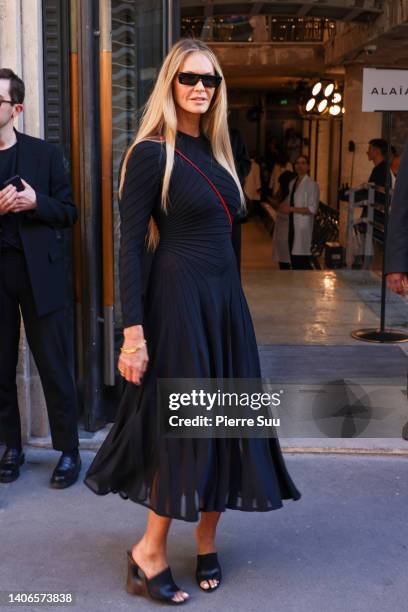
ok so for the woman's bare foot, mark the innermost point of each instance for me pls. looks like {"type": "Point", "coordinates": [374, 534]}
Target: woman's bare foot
{"type": "Point", "coordinates": [152, 562]}
{"type": "Point", "coordinates": [205, 544]}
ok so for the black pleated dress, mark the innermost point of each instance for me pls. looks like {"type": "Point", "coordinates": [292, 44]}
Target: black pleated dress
{"type": "Point", "coordinates": [197, 325]}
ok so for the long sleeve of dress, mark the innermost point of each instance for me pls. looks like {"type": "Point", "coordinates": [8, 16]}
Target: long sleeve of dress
{"type": "Point", "coordinates": [141, 191]}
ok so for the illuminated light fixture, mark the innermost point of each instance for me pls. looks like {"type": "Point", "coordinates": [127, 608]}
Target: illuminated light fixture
{"type": "Point", "coordinates": [343, 110]}
{"type": "Point", "coordinates": [310, 104]}
{"type": "Point", "coordinates": [326, 99]}
{"type": "Point", "coordinates": [317, 88]}
{"type": "Point", "coordinates": [335, 110]}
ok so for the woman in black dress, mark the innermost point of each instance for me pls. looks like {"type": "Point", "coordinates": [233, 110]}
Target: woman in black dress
{"type": "Point", "coordinates": [194, 322]}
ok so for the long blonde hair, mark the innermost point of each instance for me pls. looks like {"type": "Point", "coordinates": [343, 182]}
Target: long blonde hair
{"type": "Point", "coordinates": [159, 119]}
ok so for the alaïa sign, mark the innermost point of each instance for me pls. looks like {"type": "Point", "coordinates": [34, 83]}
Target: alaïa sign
{"type": "Point", "coordinates": [385, 90]}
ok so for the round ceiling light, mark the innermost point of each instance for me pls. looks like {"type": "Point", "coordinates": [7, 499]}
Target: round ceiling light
{"type": "Point", "coordinates": [322, 106]}
{"type": "Point", "coordinates": [317, 88]}
{"type": "Point", "coordinates": [335, 110]}
{"type": "Point", "coordinates": [310, 104]}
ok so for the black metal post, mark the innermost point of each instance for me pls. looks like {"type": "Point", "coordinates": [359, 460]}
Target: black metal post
{"type": "Point", "coordinates": [384, 335]}
{"type": "Point", "coordinates": [90, 217]}
{"type": "Point", "coordinates": [388, 131]}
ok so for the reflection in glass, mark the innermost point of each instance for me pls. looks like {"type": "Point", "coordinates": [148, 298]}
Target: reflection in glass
{"type": "Point", "coordinates": [137, 51]}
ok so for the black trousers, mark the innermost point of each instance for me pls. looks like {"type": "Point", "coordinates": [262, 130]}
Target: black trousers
{"type": "Point", "coordinates": [48, 340]}
{"type": "Point", "coordinates": [283, 265]}
{"type": "Point", "coordinates": [301, 262]}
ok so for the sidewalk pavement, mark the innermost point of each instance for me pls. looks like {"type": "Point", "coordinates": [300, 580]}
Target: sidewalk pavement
{"type": "Point", "coordinates": [342, 546]}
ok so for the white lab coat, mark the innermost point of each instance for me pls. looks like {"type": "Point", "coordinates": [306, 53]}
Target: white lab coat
{"type": "Point", "coordinates": [307, 194]}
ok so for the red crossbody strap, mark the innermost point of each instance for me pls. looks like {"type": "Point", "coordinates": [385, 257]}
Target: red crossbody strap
{"type": "Point", "coordinates": [208, 181]}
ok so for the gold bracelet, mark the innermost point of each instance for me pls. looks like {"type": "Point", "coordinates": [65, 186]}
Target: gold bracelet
{"type": "Point", "coordinates": [133, 349]}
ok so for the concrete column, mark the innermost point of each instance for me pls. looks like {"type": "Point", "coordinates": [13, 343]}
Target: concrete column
{"type": "Point", "coordinates": [262, 125]}
{"type": "Point", "coordinates": [400, 130]}
{"type": "Point", "coordinates": [357, 126]}
{"type": "Point", "coordinates": [31, 50]}
{"type": "Point", "coordinates": [259, 25]}
{"type": "Point", "coordinates": [21, 50]}
{"type": "Point", "coordinates": [334, 163]}
{"type": "Point", "coordinates": [323, 159]}
{"type": "Point", "coordinates": [312, 156]}
{"type": "Point", "coordinates": [10, 37]}
{"type": "Point", "coordinates": [305, 137]}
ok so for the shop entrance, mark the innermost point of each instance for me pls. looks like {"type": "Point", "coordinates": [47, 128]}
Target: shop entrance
{"type": "Point", "coordinates": [272, 54]}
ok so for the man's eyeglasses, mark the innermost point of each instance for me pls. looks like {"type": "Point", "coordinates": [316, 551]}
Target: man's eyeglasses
{"type": "Point", "coordinates": [208, 80]}
{"type": "Point", "coordinates": [6, 102]}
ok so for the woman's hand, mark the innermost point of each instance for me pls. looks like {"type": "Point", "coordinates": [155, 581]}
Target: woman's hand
{"type": "Point", "coordinates": [397, 282]}
{"type": "Point", "coordinates": [285, 209]}
{"type": "Point", "coordinates": [132, 366]}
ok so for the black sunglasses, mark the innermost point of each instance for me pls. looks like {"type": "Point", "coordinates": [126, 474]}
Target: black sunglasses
{"type": "Point", "coordinates": [7, 102]}
{"type": "Point", "coordinates": [208, 80]}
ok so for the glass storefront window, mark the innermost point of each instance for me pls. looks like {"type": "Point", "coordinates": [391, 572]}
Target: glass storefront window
{"type": "Point", "coordinates": [137, 52]}
{"type": "Point", "coordinates": [262, 28]}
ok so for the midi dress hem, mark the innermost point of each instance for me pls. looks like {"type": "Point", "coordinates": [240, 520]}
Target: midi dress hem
{"type": "Point", "coordinates": [197, 518]}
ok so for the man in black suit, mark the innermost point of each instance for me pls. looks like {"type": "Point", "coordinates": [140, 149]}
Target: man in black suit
{"type": "Point", "coordinates": [396, 250]}
{"type": "Point", "coordinates": [396, 254]}
{"type": "Point", "coordinates": [33, 281]}
{"type": "Point", "coordinates": [377, 153]}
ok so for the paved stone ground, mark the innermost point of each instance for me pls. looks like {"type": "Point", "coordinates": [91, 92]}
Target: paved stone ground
{"type": "Point", "coordinates": [342, 546]}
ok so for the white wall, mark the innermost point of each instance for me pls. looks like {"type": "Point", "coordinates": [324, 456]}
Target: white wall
{"type": "Point", "coordinates": [21, 50]}
{"type": "Point", "coordinates": [359, 127]}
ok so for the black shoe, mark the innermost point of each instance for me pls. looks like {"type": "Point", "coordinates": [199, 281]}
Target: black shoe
{"type": "Point", "coordinates": [161, 586]}
{"type": "Point", "coordinates": [10, 464]}
{"type": "Point", "coordinates": [66, 471]}
{"type": "Point", "coordinates": [208, 568]}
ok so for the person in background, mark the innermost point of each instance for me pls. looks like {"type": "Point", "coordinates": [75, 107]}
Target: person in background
{"type": "Point", "coordinates": [377, 153]}
{"type": "Point", "coordinates": [293, 144]}
{"type": "Point", "coordinates": [265, 177]}
{"type": "Point", "coordinates": [282, 165]}
{"type": "Point", "coordinates": [280, 244]}
{"type": "Point", "coordinates": [272, 153]}
{"type": "Point", "coordinates": [301, 206]}
{"type": "Point", "coordinates": [33, 285]}
{"type": "Point", "coordinates": [252, 186]}
{"type": "Point", "coordinates": [240, 153]}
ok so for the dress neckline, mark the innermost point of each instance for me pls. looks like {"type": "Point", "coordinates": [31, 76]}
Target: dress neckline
{"type": "Point", "coordinates": [9, 148]}
{"type": "Point", "coordinates": [189, 135]}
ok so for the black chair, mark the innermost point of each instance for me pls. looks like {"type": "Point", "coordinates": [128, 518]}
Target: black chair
{"type": "Point", "coordinates": [325, 229]}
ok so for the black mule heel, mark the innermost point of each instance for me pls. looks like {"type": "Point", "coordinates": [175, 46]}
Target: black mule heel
{"type": "Point", "coordinates": [161, 586]}
{"type": "Point", "coordinates": [208, 568]}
